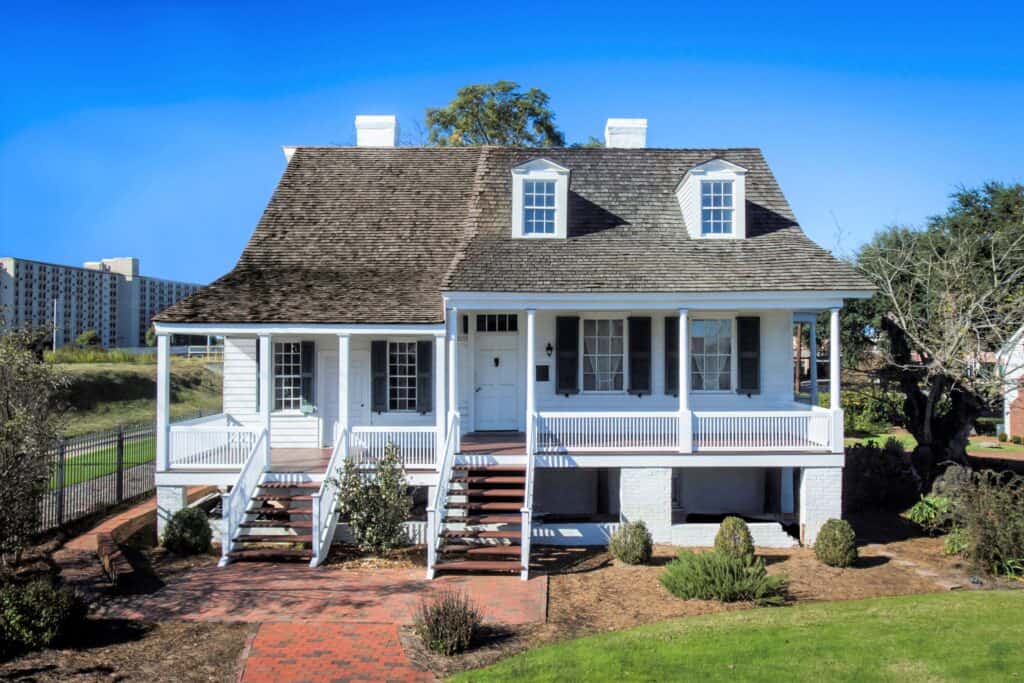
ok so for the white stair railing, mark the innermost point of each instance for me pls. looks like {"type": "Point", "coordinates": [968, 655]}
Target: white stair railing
{"type": "Point", "coordinates": [325, 502]}
{"type": "Point", "coordinates": [526, 524]}
{"type": "Point", "coordinates": [235, 503]}
{"type": "Point", "coordinates": [436, 510]}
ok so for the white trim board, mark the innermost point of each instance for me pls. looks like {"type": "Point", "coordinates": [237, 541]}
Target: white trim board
{"type": "Point", "coordinates": [804, 301]}
{"type": "Point", "coordinates": [435, 330]}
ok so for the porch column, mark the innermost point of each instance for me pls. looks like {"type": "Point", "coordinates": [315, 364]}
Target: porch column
{"type": "Point", "coordinates": [453, 369]}
{"type": "Point", "coordinates": [531, 389]}
{"type": "Point", "coordinates": [439, 389]}
{"type": "Point", "coordinates": [266, 382]}
{"type": "Point", "coordinates": [814, 362]}
{"type": "Point", "coordinates": [163, 400]}
{"type": "Point", "coordinates": [833, 384]}
{"type": "Point", "coordinates": [685, 416]}
{"type": "Point", "coordinates": [344, 357]}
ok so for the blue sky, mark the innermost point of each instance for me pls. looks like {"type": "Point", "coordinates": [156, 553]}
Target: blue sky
{"type": "Point", "coordinates": [155, 130]}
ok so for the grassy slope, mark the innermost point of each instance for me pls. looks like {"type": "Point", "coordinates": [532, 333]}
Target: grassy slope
{"type": "Point", "coordinates": [973, 636]}
{"type": "Point", "coordinates": [104, 395]}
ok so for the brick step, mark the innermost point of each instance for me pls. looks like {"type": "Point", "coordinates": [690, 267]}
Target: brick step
{"type": "Point", "coordinates": [484, 519]}
{"type": "Point", "coordinates": [481, 533]}
{"type": "Point", "coordinates": [270, 555]}
{"type": "Point", "coordinates": [485, 506]}
{"type": "Point", "coordinates": [274, 538]}
{"type": "Point", "coordinates": [276, 524]}
{"type": "Point", "coordinates": [491, 480]}
{"type": "Point", "coordinates": [307, 485]}
{"type": "Point", "coordinates": [478, 550]}
{"type": "Point", "coordinates": [478, 566]}
{"type": "Point", "coordinates": [489, 468]}
{"type": "Point", "coordinates": [280, 497]}
{"type": "Point", "coordinates": [492, 493]}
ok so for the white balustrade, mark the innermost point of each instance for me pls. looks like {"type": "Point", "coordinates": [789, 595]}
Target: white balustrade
{"type": "Point", "coordinates": [416, 445]}
{"type": "Point", "coordinates": [762, 431]}
{"type": "Point", "coordinates": [606, 432]}
{"type": "Point", "coordinates": [209, 442]}
{"type": "Point", "coordinates": [325, 502]}
{"type": "Point", "coordinates": [235, 502]}
{"type": "Point", "coordinates": [436, 507]}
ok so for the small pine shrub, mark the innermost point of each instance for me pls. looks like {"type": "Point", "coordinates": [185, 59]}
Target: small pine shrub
{"type": "Point", "coordinates": [836, 544]}
{"type": "Point", "coordinates": [188, 532]}
{"type": "Point", "coordinates": [734, 539]}
{"type": "Point", "coordinates": [1003, 436]}
{"type": "Point", "coordinates": [36, 615]}
{"type": "Point", "coordinates": [955, 543]}
{"type": "Point", "coordinates": [717, 576]}
{"type": "Point", "coordinates": [448, 623]}
{"type": "Point", "coordinates": [631, 543]}
{"type": "Point", "coordinates": [931, 513]}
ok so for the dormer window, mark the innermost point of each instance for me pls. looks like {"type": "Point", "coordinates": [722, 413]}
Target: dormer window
{"type": "Point", "coordinates": [712, 198]}
{"type": "Point", "coordinates": [540, 191]}
{"type": "Point", "coordinates": [716, 207]}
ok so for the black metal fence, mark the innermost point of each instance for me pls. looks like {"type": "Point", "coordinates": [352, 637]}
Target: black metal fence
{"type": "Point", "coordinates": [93, 472]}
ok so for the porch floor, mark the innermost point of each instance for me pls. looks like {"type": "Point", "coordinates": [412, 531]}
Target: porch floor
{"type": "Point", "coordinates": [494, 443]}
{"type": "Point", "coordinates": [306, 460]}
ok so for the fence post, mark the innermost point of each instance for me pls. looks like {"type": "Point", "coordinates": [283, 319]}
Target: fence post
{"type": "Point", "coordinates": [62, 447]}
{"type": "Point", "coordinates": [120, 463]}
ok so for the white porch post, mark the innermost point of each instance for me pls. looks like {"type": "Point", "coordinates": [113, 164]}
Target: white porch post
{"type": "Point", "coordinates": [453, 368]}
{"type": "Point", "coordinates": [814, 362]}
{"type": "Point", "coordinates": [344, 357]}
{"type": "Point", "coordinates": [266, 382]}
{"type": "Point", "coordinates": [163, 400]}
{"type": "Point", "coordinates": [439, 389]}
{"type": "Point", "coordinates": [685, 416]}
{"type": "Point", "coordinates": [531, 388]}
{"type": "Point", "coordinates": [833, 384]}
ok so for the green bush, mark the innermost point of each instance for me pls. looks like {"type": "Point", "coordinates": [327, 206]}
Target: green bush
{"type": "Point", "coordinates": [1016, 440]}
{"type": "Point", "coordinates": [448, 623]}
{"type": "Point", "coordinates": [955, 543]}
{"type": "Point", "coordinates": [717, 576]}
{"type": "Point", "coordinates": [932, 513]}
{"type": "Point", "coordinates": [989, 509]}
{"type": "Point", "coordinates": [631, 543]}
{"type": "Point", "coordinates": [836, 544]}
{"type": "Point", "coordinates": [734, 539]}
{"type": "Point", "coordinates": [188, 532]}
{"type": "Point", "coordinates": [986, 426]}
{"type": "Point", "coordinates": [376, 505]}
{"type": "Point", "coordinates": [94, 354]}
{"type": "Point", "coordinates": [879, 478]}
{"type": "Point", "coordinates": [36, 615]}
{"type": "Point", "coordinates": [1003, 437]}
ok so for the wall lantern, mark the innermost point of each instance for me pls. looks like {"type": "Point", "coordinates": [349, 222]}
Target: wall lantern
{"type": "Point", "coordinates": [549, 349]}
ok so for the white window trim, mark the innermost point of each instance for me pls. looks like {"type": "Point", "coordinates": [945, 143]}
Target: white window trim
{"type": "Point", "coordinates": [416, 370]}
{"type": "Point", "coordinates": [540, 169]}
{"type": "Point", "coordinates": [733, 353]}
{"type": "Point", "coordinates": [688, 195]}
{"type": "Point", "coordinates": [625, 356]}
{"type": "Point", "coordinates": [290, 412]}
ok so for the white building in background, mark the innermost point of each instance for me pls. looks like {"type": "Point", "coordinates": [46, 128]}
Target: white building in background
{"type": "Point", "coordinates": [108, 296]}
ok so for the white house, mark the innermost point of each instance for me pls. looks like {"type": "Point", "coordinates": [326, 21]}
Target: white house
{"type": "Point", "coordinates": [1010, 360]}
{"type": "Point", "coordinates": [556, 339]}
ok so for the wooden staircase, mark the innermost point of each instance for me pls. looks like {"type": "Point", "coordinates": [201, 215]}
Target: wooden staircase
{"type": "Point", "coordinates": [278, 524]}
{"type": "Point", "coordinates": [482, 523]}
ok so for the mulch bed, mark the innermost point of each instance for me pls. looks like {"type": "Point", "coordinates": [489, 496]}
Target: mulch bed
{"type": "Point", "coordinates": [349, 557]}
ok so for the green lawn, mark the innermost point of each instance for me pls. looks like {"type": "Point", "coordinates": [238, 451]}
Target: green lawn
{"type": "Point", "coordinates": [974, 636]}
{"type": "Point", "coordinates": [909, 442]}
{"type": "Point", "coordinates": [103, 461]}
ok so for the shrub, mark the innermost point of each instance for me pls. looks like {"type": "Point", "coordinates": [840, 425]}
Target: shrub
{"type": "Point", "coordinates": [717, 576]}
{"type": "Point", "coordinates": [879, 478]}
{"type": "Point", "coordinates": [376, 504]}
{"type": "Point", "coordinates": [1003, 437]}
{"type": "Point", "coordinates": [447, 623]}
{"type": "Point", "coordinates": [631, 543]}
{"type": "Point", "coordinates": [989, 509]}
{"type": "Point", "coordinates": [36, 615]}
{"type": "Point", "coordinates": [734, 539]}
{"type": "Point", "coordinates": [836, 544]}
{"type": "Point", "coordinates": [932, 513]}
{"type": "Point", "coordinates": [188, 532]}
{"type": "Point", "coordinates": [1016, 440]}
{"type": "Point", "coordinates": [955, 542]}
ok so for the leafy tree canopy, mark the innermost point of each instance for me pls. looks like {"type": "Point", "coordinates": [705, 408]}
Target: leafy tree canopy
{"type": "Point", "coordinates": [495, 114]}
{"type": "Point", "coordinates": [89, 338]}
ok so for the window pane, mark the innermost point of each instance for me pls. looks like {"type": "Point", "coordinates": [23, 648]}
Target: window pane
{"type": "Point", "coordinates": [402, 376]}
{"type": "Point", "coordinates": [711, 355]}
{"type": "Point", "coordinates": [603, 361]}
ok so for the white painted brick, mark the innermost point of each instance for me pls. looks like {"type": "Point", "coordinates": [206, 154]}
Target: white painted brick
{"type": "Point", "coordinates": [821, 499]}
{"type": "Point", "coordinates": [766, 535]}
{"type": "Point", "coordinates": [169, 499]}
{"type": "Point", "coordinates": [645, 494]}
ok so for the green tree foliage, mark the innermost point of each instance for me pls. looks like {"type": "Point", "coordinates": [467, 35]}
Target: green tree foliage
{"type": "Point", "coordinates": [31, 417]}
{"type": "Point", "coordinates": [495, 114]}
{"type": "Point", "coordinates": [88, 339]}
{"type": "Point", "coordinates": [151, 336]}
{"type": "Point", "coordinates": [950, 295]}
{"type": "Point", "coordinates": [376, 504]}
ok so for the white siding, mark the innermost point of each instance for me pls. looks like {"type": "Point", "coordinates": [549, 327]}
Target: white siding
{"type": "Point", "coordinates": [241, 376]}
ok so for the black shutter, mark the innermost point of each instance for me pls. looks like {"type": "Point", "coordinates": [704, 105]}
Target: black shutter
{"type": "Point", "coordinates": [672, 355]}
{"type": "Point", "coordinates": [379, 375]}
{"type": "Point", "coordinates": [567, 355]}
{"type": "Point", "coordinates": [639, 356]}
{"type": "Point", "coordinates": [308, 359]}
{"type": "Point", "coordinates": [424, 376]}
{"type": "Point", "coordinates": [749, 344]}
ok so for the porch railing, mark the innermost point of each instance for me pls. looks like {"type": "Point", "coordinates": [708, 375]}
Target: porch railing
{"type": "Point", "coordinates": [762, 431]}
{"type": "Point", "coordinates": [210, 442]}
{"type": "Point", "coordinates": [325, 502]}
{"type": "Point", "coordinates": [416, 445]}
{"type": "Point", "coordinates": [607, 432]}
{"type": "Point", "coordinates": [235, 502]}
{"type": "Point", "coordinates": [436, 507]}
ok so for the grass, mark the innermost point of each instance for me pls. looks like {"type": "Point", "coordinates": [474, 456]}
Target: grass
{"type": "Point", "coordinates": [103, 461]}
{"type": "Point", "coordinates": [974, 447]}
{"type": "Point", "coordinates": [934, 637]}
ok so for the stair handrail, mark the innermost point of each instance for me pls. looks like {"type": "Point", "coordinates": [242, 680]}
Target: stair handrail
{"type": "Point", "coordinates": [526, 525]}
{"type": "Point", "coordinates": [235, 502]}
{"type": "Point", "coordinates": [325, 502]}
{"type": "Point", "coordinates": [436, 509]}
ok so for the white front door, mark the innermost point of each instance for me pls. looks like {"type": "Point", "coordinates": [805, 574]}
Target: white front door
{"type": "Point", "coordinates": [359, 389]}
{"type": "Point", "coordinates": [496, 374]}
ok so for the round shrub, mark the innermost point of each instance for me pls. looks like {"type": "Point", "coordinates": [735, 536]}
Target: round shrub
{"type": "Point", "coordinates": [734, 539]}
{"type": "Point", "coordinates": [631, 543]}
{"type": "Point", "coordinates": [188, 532]}
{"type": "Point", "coordinates": [448, 623]}
{"type": "Point", "coordinates": [36, 615]}
{"type": "Point", "coordinates": [1003, 436]}
{"type": "Point", "coordinates": [836, 544]}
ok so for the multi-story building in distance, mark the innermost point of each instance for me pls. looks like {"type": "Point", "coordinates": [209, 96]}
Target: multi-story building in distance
{"type": "Point", "coordinates": [108, 296]}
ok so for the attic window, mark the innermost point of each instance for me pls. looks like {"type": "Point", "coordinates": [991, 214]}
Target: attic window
{"type": "Point", "coordinates": [716, 207]}
{"type": "Point", "coordinates": [539, 207]}
{"type": "Point", "coordinates": [712, 199]}
{"type": "Point", "coordinates": [540, 191]}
